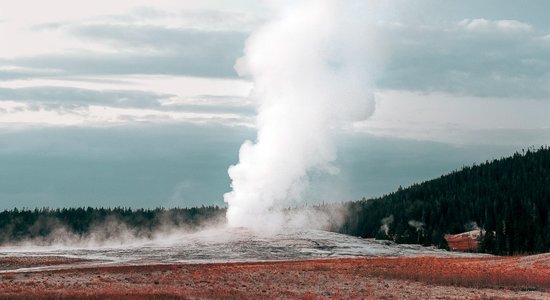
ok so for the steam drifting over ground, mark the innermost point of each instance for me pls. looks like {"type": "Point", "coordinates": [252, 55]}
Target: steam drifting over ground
{"type": "Point", "coordinates": [123, 228]}
{"type": "Point", "coordinates": [111, 232]}
{"type": "Point", "coordinates": [310, 65]}
{"type": "Point", "coordinates": [222, 245]}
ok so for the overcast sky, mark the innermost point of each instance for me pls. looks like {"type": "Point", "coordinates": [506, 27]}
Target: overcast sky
{"type": "Point", "coordinates": [137, 103]}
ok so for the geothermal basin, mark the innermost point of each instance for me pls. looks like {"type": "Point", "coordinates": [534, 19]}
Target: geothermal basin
{"type": "Point", "coordinates": [219, 245]}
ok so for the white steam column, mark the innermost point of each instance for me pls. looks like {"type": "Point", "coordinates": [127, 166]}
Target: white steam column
{"type": "Point", "coordinates": [310, 70]}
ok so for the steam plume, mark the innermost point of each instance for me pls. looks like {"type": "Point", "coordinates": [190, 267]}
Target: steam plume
{"type": "Point", "coordinates": [310, 70]}
{"type": "Point", "coordinates": [386, 223]}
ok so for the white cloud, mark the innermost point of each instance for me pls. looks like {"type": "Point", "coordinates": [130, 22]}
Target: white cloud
{"type": "Point", "coordinates": [28, 70]}
{"type": "Point", "coordinates": [492, 25]}
{"type": "Point", "coordinates": [478, 57]}
{"type": "Point", "coordinates": [457, 119]}
{"type": "Point", "coordinates": [203, 19]}
{"type": "Point", "coordinates": [66, 10]}
{"type": "Point", "coordinates": [13, 113]}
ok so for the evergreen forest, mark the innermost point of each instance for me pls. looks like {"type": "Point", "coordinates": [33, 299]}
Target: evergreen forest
{"type": "Point", "coordinates": [508, 199]}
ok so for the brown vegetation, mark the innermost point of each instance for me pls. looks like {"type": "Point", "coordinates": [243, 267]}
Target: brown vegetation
{"type": "Point", "coordinates": [352, 278]}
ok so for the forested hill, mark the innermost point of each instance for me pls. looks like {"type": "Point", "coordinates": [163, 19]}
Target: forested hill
{"type": "Point", "coordinates": [508, 197]}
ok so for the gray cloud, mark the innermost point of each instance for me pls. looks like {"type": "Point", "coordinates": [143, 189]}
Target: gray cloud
{"type": "Point", "coordinates": [205, 19]}
{"type": "Point", "coordinates": [10, 75]}
{"type": "Point", "coordinates": [25, 73]}
{"type": "Point", "coordinates": [66, 97]}
{"type": "Point", "coordinates": [162, 38]}
{"type": "Point", "coordinates": [441, 11]}
{"type": "Point", "coordinates": [190, 64]}
{"type": "Point", "coordinates": [215, 104]}
{"type": "Point", "coordinates": [492, 61]}
{"type": "Point", "coordinates": [145, 50]}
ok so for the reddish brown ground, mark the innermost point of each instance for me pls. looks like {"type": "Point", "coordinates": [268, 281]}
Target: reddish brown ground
{"type": "Point", "coordinates": [15, 262]}
{"type": "Point", "coordinates": [351, 278]}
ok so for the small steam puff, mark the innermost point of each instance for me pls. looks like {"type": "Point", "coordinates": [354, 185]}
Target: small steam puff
{"type": "Point", "coordinates": [310, 69]}
{"type": "Point", "coordinates": [386, 223]}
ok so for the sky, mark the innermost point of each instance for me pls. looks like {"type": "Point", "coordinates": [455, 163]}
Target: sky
{"type": "Point", "coordinates": [139, 104]}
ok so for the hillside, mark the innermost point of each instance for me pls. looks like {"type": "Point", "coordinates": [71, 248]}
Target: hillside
{"type": "Point", "coordinates": [509, 198]}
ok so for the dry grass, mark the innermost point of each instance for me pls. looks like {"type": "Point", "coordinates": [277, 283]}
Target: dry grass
{"type": "Point", "coordinates": [358, 278]}
{"type": "Point", "coordinates": [506, 273]}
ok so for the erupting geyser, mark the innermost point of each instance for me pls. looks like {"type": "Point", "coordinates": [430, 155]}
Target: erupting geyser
{"type": "Point", "coordinates": [310, 65]}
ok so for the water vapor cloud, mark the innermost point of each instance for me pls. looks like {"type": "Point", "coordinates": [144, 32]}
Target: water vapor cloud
{"type": "Point", "coordinates": [311, 70]}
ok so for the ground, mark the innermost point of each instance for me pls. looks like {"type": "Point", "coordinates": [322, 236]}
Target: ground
{"type": "Point", "coordinates": [344, 278]}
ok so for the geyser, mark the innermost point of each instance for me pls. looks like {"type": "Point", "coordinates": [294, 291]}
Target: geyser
{"type": "Point", "coordinates": [310, 66]}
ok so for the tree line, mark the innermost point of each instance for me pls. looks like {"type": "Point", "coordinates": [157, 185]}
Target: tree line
{"type": "Point", "coordinates": [17, 225]}
{"type": "Point", "coordinates": [507, 198]}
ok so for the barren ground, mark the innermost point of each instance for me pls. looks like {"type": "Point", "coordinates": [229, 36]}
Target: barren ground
{"type": "Point", "coordinates": [347, 278]}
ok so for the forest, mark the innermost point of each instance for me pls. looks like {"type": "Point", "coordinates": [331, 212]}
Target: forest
{"type": "Point", "coordinates": [19, 225]}
{"type": "Point", "coordinates": [507, 198]}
